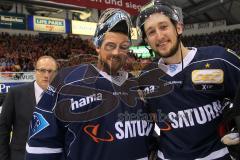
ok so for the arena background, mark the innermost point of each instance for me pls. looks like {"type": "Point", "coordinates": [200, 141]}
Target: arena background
{"type": "Point", "coordinates": [64, 28]}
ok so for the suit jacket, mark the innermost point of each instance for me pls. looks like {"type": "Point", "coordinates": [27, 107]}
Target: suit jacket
{"type": "Point", "coordinates": [2, 96]}
{"type": "Point", "coordinates": [16, 114]}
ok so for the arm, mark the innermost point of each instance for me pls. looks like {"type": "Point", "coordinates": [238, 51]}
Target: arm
{"type": "Point", "coordinates": [231, 73]}
{"type": "Point", "coordinates": [6, 120]}
{"type": "Point", "coordinates": [237, 104]}
{"type": "Point", "coordinates": [231, 81]}
{"type": "Point", "coordinates": [232, 139]}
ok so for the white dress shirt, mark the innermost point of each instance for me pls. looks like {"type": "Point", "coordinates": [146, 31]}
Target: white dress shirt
{"type": "Point", "coordinates": [38, 92]}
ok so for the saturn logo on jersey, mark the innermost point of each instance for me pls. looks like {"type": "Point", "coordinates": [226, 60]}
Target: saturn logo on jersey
{"type": "Point", "coordinates": [195, 116]}
{"type": "Point", "coordinates": [123, 130]}
{"type": "Point", "coordinates": [93, 130]}
{"type": "Point", "coordinates": [133, 128]}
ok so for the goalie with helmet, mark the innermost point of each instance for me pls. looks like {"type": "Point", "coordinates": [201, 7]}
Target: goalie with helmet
{"type": "Point", "coordinates": [201, 77]}
{"type": "Point", "coordinates": [86, 113]}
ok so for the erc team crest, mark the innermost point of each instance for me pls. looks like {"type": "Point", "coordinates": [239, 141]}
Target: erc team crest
{"type": "Point", "coordinates": [38, 124]}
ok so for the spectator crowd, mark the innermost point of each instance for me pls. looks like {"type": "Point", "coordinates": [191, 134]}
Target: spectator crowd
{"type": "Point", "coordinates": [228, 39]}
{"type": "Point", "coordinates": [20, 52]}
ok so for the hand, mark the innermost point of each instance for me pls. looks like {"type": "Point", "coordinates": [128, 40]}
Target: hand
{"type": "Point", "coordinates": [231, 139]}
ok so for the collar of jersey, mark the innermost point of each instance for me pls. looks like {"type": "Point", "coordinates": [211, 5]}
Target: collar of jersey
{"type": "Point", "coordinates": [118, 80]}
{"type": "Point", "coordinates": [178, 67]}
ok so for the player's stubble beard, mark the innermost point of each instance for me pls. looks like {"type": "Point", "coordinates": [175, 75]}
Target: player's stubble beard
{"type": "Point", "coordinates": [106, 67]}
{"type": "Point", "coordinates": [173, 50]}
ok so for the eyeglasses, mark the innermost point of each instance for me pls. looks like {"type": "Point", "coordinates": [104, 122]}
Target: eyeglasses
{"type": "Point", "coordinates": [43, 71]}
{"type": "Point", "coordinates": [110, 46]}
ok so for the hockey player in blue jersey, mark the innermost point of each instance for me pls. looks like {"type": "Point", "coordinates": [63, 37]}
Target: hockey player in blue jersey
{"type": "Point", "coordinates": [202, 78]}
{"type": "Point", "coordinates": [88, 112]}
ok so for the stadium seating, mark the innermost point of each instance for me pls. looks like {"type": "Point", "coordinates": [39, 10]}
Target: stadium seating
{"type": "Point", "coordinates": [20, 52]}
{"type": "Point", "coordinates": [228, 39]}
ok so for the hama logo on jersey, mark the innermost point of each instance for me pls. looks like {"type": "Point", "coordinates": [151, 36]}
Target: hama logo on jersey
{"type": "Point", "coordinates": [208, 76]}
{"type": "Point", "coordinates": [85, 101]}
{"type": "Point", "coordinates": [92, 131]}
{"type": "Point", "coordinates": [38, 124]}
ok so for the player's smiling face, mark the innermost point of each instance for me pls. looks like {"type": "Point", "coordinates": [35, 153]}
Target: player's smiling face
{"type": "Point", "coordinates": [113, 52]}
{"type": "Point", "coordinates": [161, 34]}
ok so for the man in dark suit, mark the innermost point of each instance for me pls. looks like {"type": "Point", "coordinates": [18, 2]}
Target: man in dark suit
{"type": "Point", "coordinates": [18, 107]}
{"type": "Point", "coordinates": [2, 96]}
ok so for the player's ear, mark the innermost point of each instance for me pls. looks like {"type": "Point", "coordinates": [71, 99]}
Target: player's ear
{"type": "Point", "coordinates": [179, 28]}
{"type": "Point", "coordinates": [98, 50]}
{"type": "Point", "coordinates": [146, 40]}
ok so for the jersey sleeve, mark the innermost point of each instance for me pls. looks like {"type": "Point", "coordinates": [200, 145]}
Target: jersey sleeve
{"type": "Point", "coordinates": [46, 132]}
{"type": "Point", "coordinates": [231, 73]}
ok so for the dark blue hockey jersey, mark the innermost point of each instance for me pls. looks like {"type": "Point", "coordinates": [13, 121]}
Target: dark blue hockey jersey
{"type": "Point", "coordinates": [190, 114]}
{"type": "Point", "coordinates": [88, 115]}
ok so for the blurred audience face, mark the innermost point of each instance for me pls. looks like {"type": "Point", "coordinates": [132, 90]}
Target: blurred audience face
{"type": "Point", "coordinates": [46, 68]}
{"type": "Point", "coordinates": [161, 34]}
{"type": "Point", "coordinates": [113, 52]}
